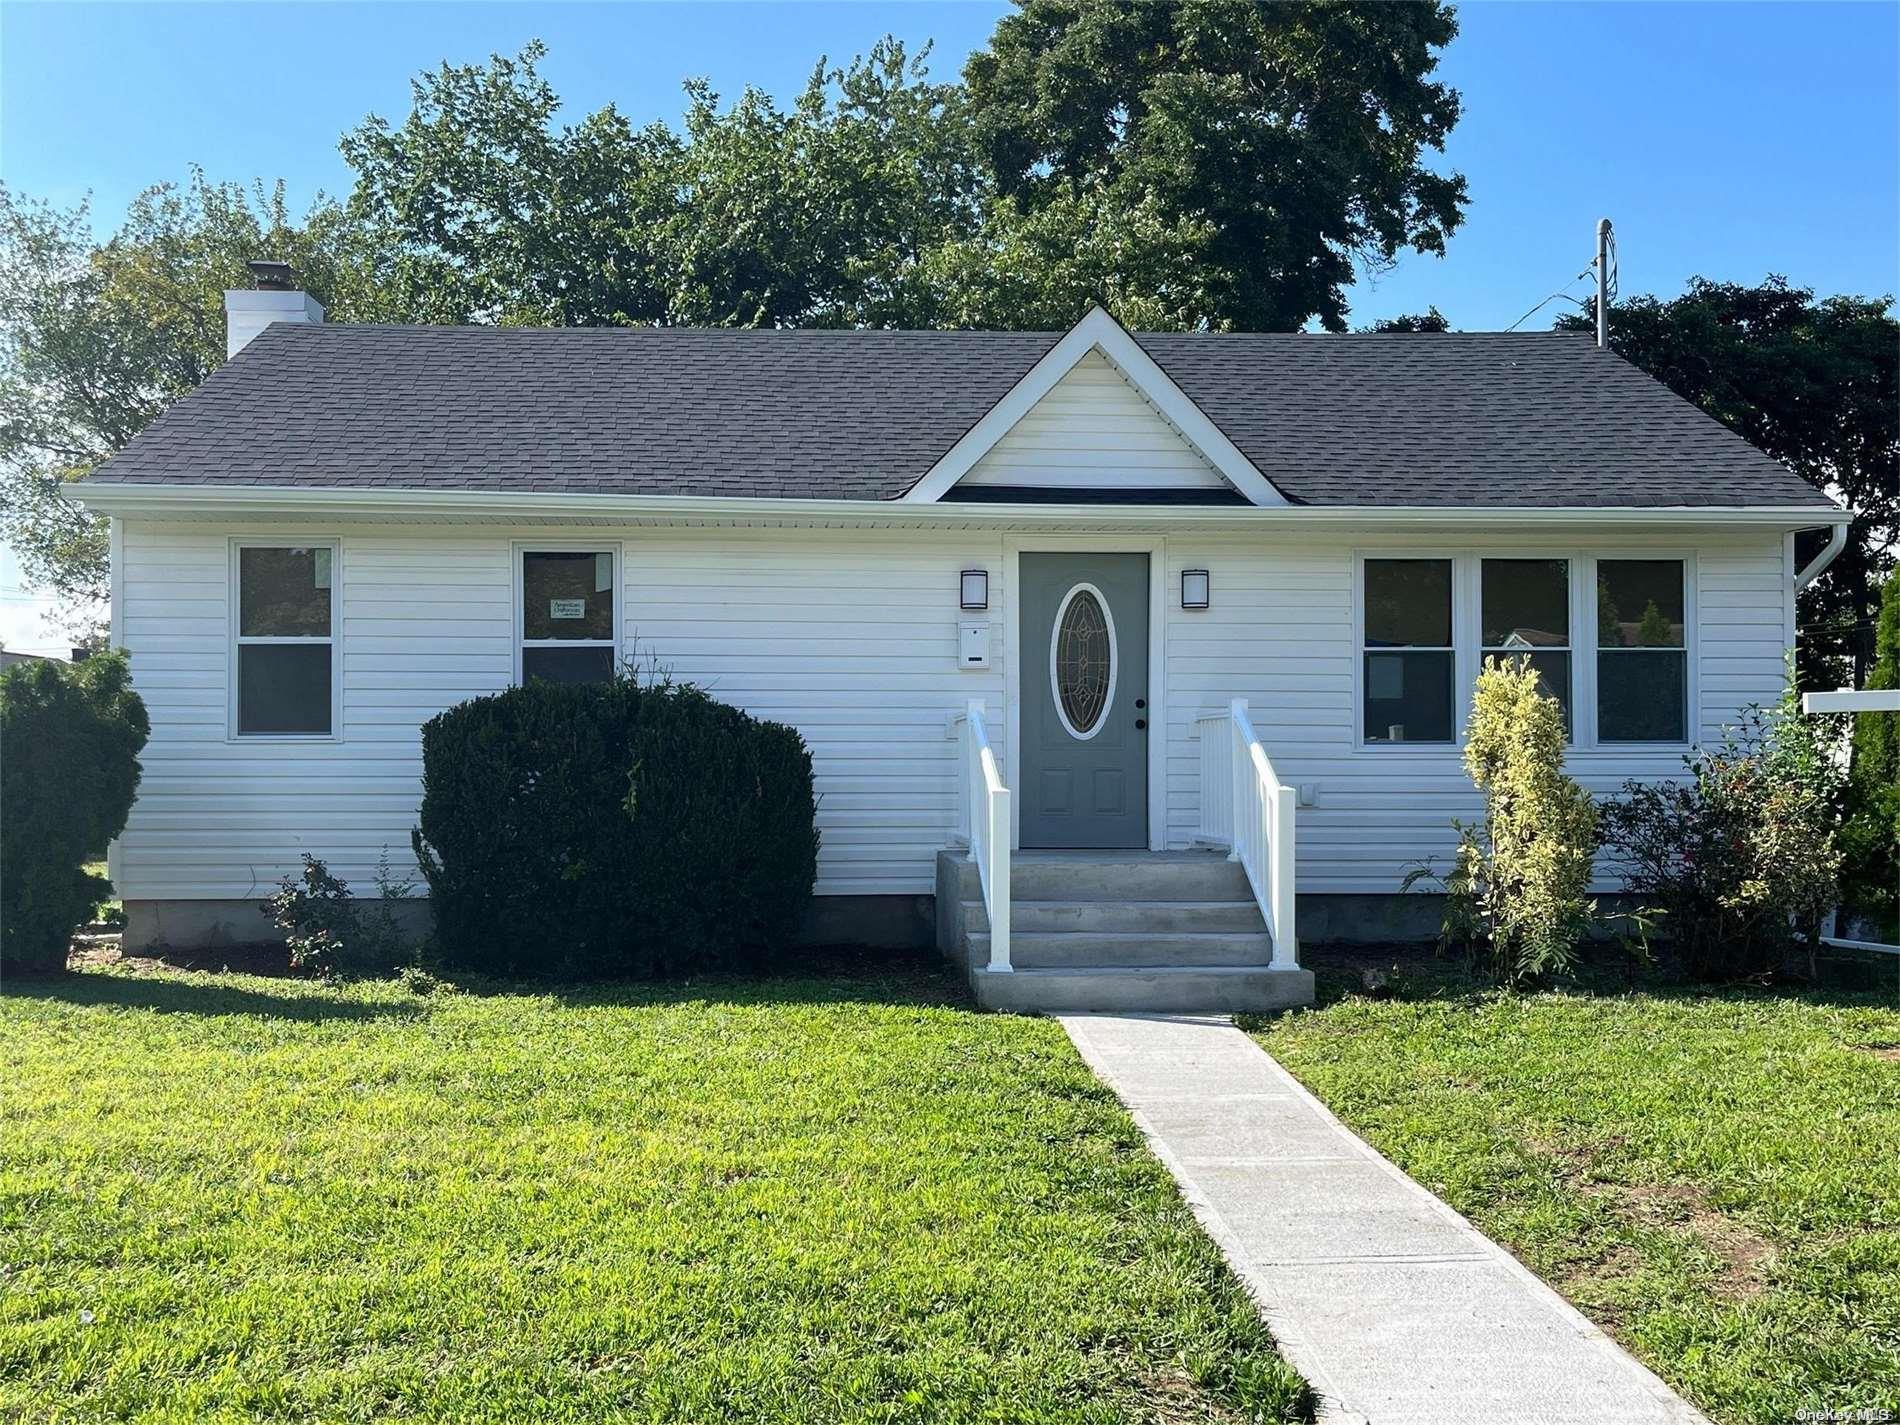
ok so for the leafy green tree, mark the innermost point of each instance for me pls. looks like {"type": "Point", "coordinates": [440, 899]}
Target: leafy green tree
{"type": "Point", "coordinates": [1813, 383]}
{"type": "Point", "coordinates": [1230, 163]}
{"type": "Point", "coordinates": [824, 213]}
{"type": "Point", "coordinates": [1430, 320]}
{"type": "Point", "coordinates": [1872, 833]}
{"type": "Point", "coordinates": [96, 340]}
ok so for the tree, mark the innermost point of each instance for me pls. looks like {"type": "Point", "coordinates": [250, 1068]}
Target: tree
{"type": "Point", "coordinates": [826, 213]}
{"type": "Point", "coordinates": [1815, 384]}
{"type": "Point", "coordinates": [96, 340]}
{"type": "Point", "coordinates": [1871, 835]}
{"type": "Point", "coordinates": [1431, 320]}
{"type": "Point", "coordinates": [1228, 163]}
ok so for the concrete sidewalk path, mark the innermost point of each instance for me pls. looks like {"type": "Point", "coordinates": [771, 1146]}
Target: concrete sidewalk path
{"type": "Point", "coordinates": [1391, 1305]}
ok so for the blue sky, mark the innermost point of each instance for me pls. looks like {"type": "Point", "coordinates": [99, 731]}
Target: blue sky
{"type": "Point", "coordinates": [1724, 139]}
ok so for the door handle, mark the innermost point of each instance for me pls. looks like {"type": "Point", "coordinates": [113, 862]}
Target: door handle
{"type": "Point", "coordinates": [1141, 724]}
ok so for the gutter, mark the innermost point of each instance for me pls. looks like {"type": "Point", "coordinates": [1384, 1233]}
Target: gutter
{"type": "Point", "coordinates": [154, 501]}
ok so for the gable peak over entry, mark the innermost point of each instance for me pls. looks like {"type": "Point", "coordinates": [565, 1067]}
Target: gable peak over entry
{"type": "Point", "coordinates": [1098, 332]}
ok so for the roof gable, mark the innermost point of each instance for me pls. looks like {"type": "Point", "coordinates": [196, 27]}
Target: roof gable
{"type": "Point", "coordinates": [1098, 332]}
{"type": "Point", "coordinates": [1093, 431]}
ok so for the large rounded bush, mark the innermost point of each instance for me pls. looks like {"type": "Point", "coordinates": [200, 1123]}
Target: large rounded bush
{"type": "Point", "coordinates": [613, 829]}
{"type": "Point", "coordinates": [70, 736]}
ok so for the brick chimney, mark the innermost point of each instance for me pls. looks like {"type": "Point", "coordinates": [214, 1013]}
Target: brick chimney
{"type": "Point", "coordinates": [273, 298]}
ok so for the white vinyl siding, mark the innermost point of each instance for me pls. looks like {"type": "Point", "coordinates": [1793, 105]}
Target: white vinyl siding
{"type": "Point", "coordinates": [1281, 634]}
{"type": "Point", "coordinates": [849, 637]}
{"type": "Point", "coordinates": [1094, 431]}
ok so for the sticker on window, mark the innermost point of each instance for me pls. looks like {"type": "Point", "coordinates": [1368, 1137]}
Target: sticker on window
{"type": "Point", "coordinates": [567, 608]}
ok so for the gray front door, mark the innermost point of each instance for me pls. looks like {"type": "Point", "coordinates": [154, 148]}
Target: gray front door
{"type": "Point", "coordinates": [1085, 700]}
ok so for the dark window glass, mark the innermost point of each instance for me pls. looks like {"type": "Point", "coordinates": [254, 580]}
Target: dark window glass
{"type": "Point", "coordinates": [1408, 603]}
{"type": "Point", "coordinates": [1084, 662]}
{"type": "Point", "coordinates": [567, 596]}
{"type": "Point", "coordinates": [284, 593]}
{"type": "Point", "coordinates": [1408, 697]}
{"type": "Point", "coordinates": [1642, 697]}
{"type": "Point", "coordinates": [284, 687]}
{"type": "Point", "coordinates": [1639, 603]}
{"type": "Point", "coordinates": [1526, 604]}
{"type": "Point", "coordinates": [1525, 613]}
{"type": "Point", "coordinates": [1553, 674]}
{"type": "Point", "coordinates": [567, 665]}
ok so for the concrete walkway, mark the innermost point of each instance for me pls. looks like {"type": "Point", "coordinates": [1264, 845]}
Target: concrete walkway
{"type": "Point", "coordinates": [1393, 1306]}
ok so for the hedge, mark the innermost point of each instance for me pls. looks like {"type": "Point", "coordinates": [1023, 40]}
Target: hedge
{"type": "Point", "coordinates": [70, 736]}
{"type": "Point", "coordinates": [613, 829]}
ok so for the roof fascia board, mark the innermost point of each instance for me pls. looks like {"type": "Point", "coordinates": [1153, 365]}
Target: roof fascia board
{"type": "Point", "coordinates": [138, 499]}
{"type": "Point", "coordinates": [1096, 329]}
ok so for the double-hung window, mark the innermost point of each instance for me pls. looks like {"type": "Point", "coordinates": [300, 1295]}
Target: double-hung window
{"type": "Point", "coordinates": [1642, 655]}
{"type": "Point", "coordinates": [567, 615]}
{"type": "Point", "coordinates": [1524, 612]}
{"type": "Point", "coordinates": [1410, 666]}
{"type": "Point", "coordinates": [285, 645]}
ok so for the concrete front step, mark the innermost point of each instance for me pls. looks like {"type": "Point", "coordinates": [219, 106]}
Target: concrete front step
{"type": "Point", "coordinates": [1150, 917]}
{"type": "Point", "coordinates": [1086, 949]}
{"type": "Point", "coordinates": [1175, 989]}
{"type": "Point", "coordinates": [1113, 876]}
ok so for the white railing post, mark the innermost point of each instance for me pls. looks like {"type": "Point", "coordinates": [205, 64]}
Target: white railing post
{"type": "Point", "coordinates": [999, 878]}
{"type": "Point", "coordinates": [986, 812]}
{"type": "Point", "coordinates": [1286, 944]}
{"type": "Point", "coordinates": [1239, 772]}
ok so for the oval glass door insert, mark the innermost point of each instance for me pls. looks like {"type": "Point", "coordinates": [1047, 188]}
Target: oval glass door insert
{"type": "Point", "coordinates": [1082, 661]}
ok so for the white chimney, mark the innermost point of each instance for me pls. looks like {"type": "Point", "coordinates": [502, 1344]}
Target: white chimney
{"type": "Point", "coordinates": [274, 299]}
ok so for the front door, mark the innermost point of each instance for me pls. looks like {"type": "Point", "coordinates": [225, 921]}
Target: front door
{"type": "Point", "coordinates": [1085, 700]}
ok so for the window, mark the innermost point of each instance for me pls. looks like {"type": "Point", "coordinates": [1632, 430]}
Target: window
{"type": "Point", "coordinates": [567, 616]}
{"type": "Point", "coordinates": [1082, 661]}
{"type": "Point", "coordinates": [1410, 665]}
{"type": "Point", "coordinates": [1642, 658]}
{"type": "Point", "coordinates": [1525, 612]}
{"type": "Point", "coordinates": [286, 640]}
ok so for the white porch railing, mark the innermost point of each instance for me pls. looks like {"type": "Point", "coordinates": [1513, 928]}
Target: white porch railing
{"type": "Point", "coordinates": [1248, 809]}
{"type": "Point", "coordinates": [986, 823]}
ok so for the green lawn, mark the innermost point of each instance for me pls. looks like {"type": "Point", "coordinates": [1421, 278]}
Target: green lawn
{"type": "Point", "coordinates": [829, 1199]}
{"type": "Point", "coordinates": [1715, 1178]}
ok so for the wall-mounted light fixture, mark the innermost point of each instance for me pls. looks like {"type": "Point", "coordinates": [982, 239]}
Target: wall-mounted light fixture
{"type": "Point", "coordinates": [975, 589]}
{"type": "Point", "coordinates": [1195, 588]}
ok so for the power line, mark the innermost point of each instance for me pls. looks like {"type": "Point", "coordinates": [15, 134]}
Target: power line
{"type": "Point", "coordinates": [1559, 294]}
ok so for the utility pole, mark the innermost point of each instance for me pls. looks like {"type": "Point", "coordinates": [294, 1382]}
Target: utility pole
{"type": "Point", "coordinates": [1603, 281]}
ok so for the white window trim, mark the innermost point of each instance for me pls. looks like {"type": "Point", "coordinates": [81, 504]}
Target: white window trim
{"type": "Point", "coordinates": [523, 547]}
{"type": "Point", "coordinates": [236, 639]}
{"type": "Point", "coordinates": [1463, 667]}
{"type": "Point", "coordinates": [1467, 632]}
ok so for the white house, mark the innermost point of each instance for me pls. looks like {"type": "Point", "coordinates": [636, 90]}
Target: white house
{"type": "Point", "coordinates": [1188, 582]}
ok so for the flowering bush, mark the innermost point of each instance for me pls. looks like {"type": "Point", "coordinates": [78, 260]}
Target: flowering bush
{"type": "Point", "coordinates": [1517, 887]}
{"type": "Point", "coordinates": [1743, 856]}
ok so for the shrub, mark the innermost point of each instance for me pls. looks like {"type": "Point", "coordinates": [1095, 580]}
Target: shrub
{"type": "Point", "coordinates": [1517, 889]}
{"type": "Point", "coordinates": [70, 736]}
{"type": "Point", "coordinates": [328, 931]}
{"type": "Point", "coordinates": [1870, 835]}
{"type": "Point", "coordinates": [1741, 855]}
{"type": "Point", "coordinates": [613, 829]}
